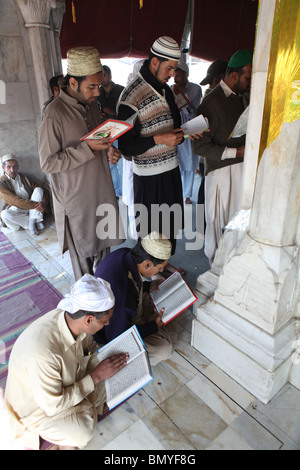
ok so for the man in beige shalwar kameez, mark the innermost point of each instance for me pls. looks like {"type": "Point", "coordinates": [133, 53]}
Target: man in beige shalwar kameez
{"type": "Point", "coordinates": [80, 175]}
{"type": "Point", "coordinates": [55, 385]}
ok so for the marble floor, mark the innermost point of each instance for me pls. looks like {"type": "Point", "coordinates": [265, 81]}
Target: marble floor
{"type": "Point", "coordinates": [191, 404]}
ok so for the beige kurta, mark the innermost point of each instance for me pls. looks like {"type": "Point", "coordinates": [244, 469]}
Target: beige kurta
{"type": "Point", "coordinates": [80, 178]}
{"type": "Point", "coordinates": [49, 391]}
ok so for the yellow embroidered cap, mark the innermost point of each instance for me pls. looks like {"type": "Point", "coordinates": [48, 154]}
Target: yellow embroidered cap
{"type": "Point", "coordinates": [83, 61]}
{"type": "Point", "coordinates": [157, 245]}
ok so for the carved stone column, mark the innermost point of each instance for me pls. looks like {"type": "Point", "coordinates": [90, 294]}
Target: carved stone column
{"type": "Point", "coordinates": [56, 18]}
{"type": "Point", "coordinates": [249, 326]}
{"type": "Point", "coordinates": [45, 51]}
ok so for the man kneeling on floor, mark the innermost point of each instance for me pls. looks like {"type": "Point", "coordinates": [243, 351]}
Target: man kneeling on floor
{"type": "Point", "coordinates": [55, 386]}
{"type": "Point", "coordinates": [126, 270]}
{"type": "Point", "coordinates": [24, 201]}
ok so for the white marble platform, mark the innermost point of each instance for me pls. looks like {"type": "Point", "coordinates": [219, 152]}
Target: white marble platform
{"type": "Point", "coordinates": [191, 404]}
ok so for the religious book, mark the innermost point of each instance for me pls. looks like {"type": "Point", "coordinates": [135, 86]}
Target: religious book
{"type": "Point", "coordinates": [110, 129]}
{"type": "Point", "coordinates": [135, 375]}
{"type": "Point", "coordinates": [181, 100]}
{"type": "Point", "coordinates": [198, 125]}
{"type": "Point", "coordinates": [174, 295]}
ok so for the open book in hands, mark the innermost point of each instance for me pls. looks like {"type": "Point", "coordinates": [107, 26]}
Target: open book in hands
{"type": "Point", "coordinates": [174, 295]}
{"type": "Point", "coordinates": [110, 129]}
{"type": "Point", "coordinates": [198, 125]}
{"type": "Point", "coordinates": [135, 375]}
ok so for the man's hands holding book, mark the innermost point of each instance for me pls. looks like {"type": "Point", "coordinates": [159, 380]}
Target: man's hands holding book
{"type": "Point", "coordinates": [158, 319]}
{"type": "Point", "coordinates": [113, 153]}
{"type": "Point", "coordinates": [109, 367]}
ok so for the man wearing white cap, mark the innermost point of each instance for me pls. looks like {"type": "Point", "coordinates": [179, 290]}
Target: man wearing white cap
{"type": "Point", "coordinates": [79, 170]}
{"type": "Point", "coordinates": [55, 386]}
{"type": "Point", "coordinates": [152, 143]}
{"type": "Point", "coordinates": [129, 271]}
{"type": "Point", "coordinates": [24, 201]}
{"type": "Point", "coordinates": [192, 94]}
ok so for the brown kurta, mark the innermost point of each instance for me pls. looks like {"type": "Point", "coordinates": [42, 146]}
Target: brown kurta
{"type": "Point", "coordinates": [80, 178]}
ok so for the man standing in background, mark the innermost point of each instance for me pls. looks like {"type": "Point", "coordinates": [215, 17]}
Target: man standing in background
{"type": "Point", "coordinates": [223, 154]}
{"type": "Point", "coordinates": [107, 102]}
{"type": "Point", "coordinates": [188, 160]}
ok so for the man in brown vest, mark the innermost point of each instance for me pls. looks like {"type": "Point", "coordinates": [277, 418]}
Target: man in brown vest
{"type": "Point", "coordinates": [24, 201]}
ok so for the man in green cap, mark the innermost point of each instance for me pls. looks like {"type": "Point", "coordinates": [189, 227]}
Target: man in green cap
{"type": "Point", "coordinates": [223, 153]}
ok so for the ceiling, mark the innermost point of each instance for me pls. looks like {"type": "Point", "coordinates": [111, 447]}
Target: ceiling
{"type": "Point", "coordinates": [127, 28]}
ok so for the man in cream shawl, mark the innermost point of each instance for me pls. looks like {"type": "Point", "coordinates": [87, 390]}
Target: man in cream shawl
{"type": "Point", "coordinates": [55, 386]}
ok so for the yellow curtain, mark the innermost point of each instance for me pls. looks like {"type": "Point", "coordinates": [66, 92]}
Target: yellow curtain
{"type": "Point", "coordinates": [282, 101]}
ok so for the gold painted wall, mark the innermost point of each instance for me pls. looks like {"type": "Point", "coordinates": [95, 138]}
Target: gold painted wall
{"type": "Point", "coordinates": [282, 101]}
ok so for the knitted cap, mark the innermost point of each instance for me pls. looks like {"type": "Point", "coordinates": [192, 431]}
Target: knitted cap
{"type": "Point", "coordinates": [83, 61]}
{"type": "Point", "coordinates": [241, 58]}
{"type": "Point", "coordinates": [157, 245]}
{"type": "Point", "coordinates": [166, 47]}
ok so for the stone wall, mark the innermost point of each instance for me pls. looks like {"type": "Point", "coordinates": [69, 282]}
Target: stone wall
{"type": "Point", "coordinates": [19, 105]}
{"type": "Point", "coordinates": [29, 56]}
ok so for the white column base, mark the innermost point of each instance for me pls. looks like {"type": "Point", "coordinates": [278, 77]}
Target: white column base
{"type": "Point", "coordinates": [260, 362]}
{"type": "Point", "coordinates": [245, 319]}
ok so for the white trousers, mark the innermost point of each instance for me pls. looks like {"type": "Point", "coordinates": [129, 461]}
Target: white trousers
{"type": "Point", "coordinates": [128, 196]}
{"type": "Point", "coordinates": [222, 200]}
{"type": "Point", "coordinates": [14, 218]}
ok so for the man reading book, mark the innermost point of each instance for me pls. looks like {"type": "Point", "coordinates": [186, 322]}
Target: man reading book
{"type": "Point", "coordinates": [55, 386]}
{"type": "Point", "coordinates": [129, 271]}
{"type": "Point", "coordinates": [79, 170]}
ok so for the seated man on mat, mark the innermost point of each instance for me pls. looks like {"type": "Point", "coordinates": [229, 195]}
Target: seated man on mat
{"type": "Point", "coordinates": [24, 202]}
{"type": "Point", "coordinates": [126, 270]}
{"type": "Point", "coordinates": [55, 386]}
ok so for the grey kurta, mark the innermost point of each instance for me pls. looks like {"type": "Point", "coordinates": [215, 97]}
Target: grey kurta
{"type": "Point", "coordinates": [80, 178]}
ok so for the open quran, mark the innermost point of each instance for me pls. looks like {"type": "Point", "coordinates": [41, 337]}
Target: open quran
{"type": "Point", "coordinates": [135, 375]}
{"type": "Point", "coordinates": [174, 295]}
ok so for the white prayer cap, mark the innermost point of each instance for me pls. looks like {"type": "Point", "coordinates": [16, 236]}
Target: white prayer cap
{"type": "Point", "coordinates": [83, 61]}
{"type": "Point", "coordinates": [166, 47]}
{"type": "Point", "coordinates": [7, 157]}
{"type": "Point", "coordinates": [90, 294]}
{"type": "Point", "coordinates": [184, 67]}
{"type": "Point", "coordinates": [157, 245]}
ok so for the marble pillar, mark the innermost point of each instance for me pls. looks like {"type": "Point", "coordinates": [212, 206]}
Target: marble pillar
{"type": "Point", "coordinates": [36, 14]}
{"type": "Point", "coordinates": [30, 56]}
{"type": "Point", "coordinates": [248, 323]}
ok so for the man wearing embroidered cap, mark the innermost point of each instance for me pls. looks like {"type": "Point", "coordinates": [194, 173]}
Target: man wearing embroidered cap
{"type": "Point", "coordinates": [79, 170]}
{"type": "Point", "coordinates": [223, 153]}
{"type": "Point", "coordinates": [129, 272]}
{"type": "Point", "coordinates": [152, 143]}
{"type": "Point", "coordinates": [55, 386]}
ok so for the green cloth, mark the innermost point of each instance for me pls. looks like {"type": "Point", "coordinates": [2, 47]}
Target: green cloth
{"type": "Point", "coordinates": [240, 59]}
